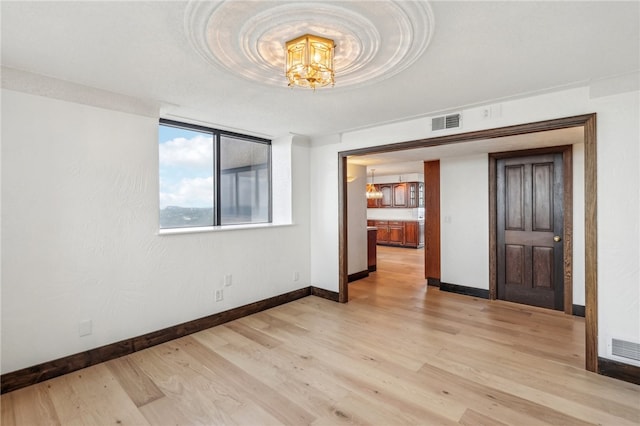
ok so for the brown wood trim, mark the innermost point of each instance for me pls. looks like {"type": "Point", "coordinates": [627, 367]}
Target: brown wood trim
{"type": "Point", "coordinates": [567, 166]}
{"type": "Point", "coordinates": [358, 275]}
{"type": "Point", "coordinates": [591, 243]}
{"type": "Point", "coordinates": [325, 294]}
{"type": "Point", "coordinates": [432, 220]}
{"type": "Point", "coordinates": [50, 369]}
{"type": "Point", "coordinates": [343, 220]}
{"type": "Point", "coordinates": [619, 370]}
{"type": "Point", "coordinates": [588, 121]}
{"type": "Point", "coordinates": [493, 229]}
{"type": "Point", "coordinates": [517, 129]}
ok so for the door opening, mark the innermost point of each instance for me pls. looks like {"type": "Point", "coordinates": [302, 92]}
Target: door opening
{"type": "Point", "coordinates": [587, 123]}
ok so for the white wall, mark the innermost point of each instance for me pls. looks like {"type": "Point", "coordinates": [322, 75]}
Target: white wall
{"type": "Point", "coordinates": [80, 234]}
{"type": "Point", "coordinates": [618, 134]}
{"type": "Point", "coordinates": [357, 219]}
{"type": "Point", "coordinates": [464, 213]}
{"type": "Point", "coordinates": [80, 220]}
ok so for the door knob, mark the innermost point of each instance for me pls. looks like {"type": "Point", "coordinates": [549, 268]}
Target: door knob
{"type": "Point", "coordinates": [557, 238]}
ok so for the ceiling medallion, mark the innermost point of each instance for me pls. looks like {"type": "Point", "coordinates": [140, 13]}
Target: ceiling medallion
{"type": "Point", "coordinates": [247, 38]}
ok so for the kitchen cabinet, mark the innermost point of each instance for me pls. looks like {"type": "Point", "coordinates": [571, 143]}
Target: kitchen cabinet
{"type": "Point", "coordinates": [387, 195]}
{"type": "Point", "coordinates": [415, 194]}
{"type": "Point", "coordinates": [414, 234]}
{"type": "Point", "coordinates": [403, 233]}
{"type": "Point", "coordinates": [399, 195]}
{"type": "Point", "coordinates": [396, 232]}
{"type": "Point", "coordinates": [382, 236]}
{"type": "Point", "coordinates": [371, 249]}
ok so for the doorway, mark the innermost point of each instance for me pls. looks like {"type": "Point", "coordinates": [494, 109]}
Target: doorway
{"type": "Point", "coordinates": [586, 123]}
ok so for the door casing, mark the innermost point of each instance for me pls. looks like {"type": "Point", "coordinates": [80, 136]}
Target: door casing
{"type": "Point", "coordinates": [588, 123]}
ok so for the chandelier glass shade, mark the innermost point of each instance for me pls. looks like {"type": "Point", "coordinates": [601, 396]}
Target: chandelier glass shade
{"type": "Point", "coordinates": [373, 193]}
{"type": "Point", "coordinates": [310, 61]}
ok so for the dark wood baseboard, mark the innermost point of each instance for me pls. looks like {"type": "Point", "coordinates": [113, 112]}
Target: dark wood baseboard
{"type": "Point", "coordinates": [578, 310]}
{"type": "Point", "coordinates": [619, 370]}
{"type": "Point", "coordinates": [325, 294]}
{"type": "Point", "coordinates": [435, 282]}
{"type": "Point", "coordinates": [48, 370]}
{"type": "Point", "coordinates": [358, 275]}
{"type": "Point", "coordinates": [468, 291]}
{"type": "Point", "coordinates": [373, 268]}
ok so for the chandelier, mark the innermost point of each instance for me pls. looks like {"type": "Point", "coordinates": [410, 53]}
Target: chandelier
{"type": "Point", "coordinates": [310, 61]}
{"type": "Point", "coordinates": [372, 192]}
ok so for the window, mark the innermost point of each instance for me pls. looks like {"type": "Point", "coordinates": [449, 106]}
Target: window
{"type": "Point", "coordinates": [209, 177]}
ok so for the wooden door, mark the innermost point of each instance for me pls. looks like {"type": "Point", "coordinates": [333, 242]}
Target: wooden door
{"type": "Point", "coordinates": [529, 230]}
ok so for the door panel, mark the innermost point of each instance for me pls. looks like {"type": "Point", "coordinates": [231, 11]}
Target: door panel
{"type": "Point", "coordinates": [542, 267]}
{"type": "Point", "coordinates": [529, 215]}
{"type": "Point", "coordinates": [514, 265]}
{"type": "Point", "coordinates": [514, 197]}
{"type": "Point", "coordinates": [543, 197]}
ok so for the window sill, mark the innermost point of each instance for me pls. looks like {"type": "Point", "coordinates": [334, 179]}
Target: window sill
{"type": "Point", "coordinates": [200, 229]}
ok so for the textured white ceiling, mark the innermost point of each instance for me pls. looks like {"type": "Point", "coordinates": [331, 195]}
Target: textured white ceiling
{"type": "Point", "coordinates": [477, 52]}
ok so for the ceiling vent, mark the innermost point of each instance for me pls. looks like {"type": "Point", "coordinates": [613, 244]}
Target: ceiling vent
{"type": "Point", "coordinates": [451, 121]}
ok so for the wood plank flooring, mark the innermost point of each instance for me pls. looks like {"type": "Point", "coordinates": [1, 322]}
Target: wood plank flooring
{"type": "Point", "coordinates": [397, 353]}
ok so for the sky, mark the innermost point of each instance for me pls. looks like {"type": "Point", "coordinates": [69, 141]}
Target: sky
{"type": "Point", "coordinates": [186, 168]}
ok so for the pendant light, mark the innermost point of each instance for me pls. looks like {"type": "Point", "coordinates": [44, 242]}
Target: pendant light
{"type": "Point", "coordinates": [372, 192]}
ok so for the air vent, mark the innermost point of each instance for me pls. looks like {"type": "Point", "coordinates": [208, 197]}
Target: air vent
{"type": "Point", "coordinates": [625, 349]}
{"type": "Point", "coordinates": [452, 121]}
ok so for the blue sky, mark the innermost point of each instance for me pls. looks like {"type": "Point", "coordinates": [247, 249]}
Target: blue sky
{"type": "Point", "coordinates": [186, 168]}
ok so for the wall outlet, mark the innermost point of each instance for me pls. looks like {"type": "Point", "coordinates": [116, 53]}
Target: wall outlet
{"type": "Point", "coordinates": [84, 328]}
{"type": "Point", "coordinates": [227, 280]}
{"type": "Point", "coordinates": [296, 276]}
{"type": "Point", "coordinates": [219, 295]}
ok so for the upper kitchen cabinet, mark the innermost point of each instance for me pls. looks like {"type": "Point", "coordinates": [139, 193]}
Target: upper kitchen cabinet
{"type": "Point", "coordinates": [415, 194]}
{"type": "Point", "coordinates": [399, 195]}
{"type": "Point", "coordinates": [387, 195]}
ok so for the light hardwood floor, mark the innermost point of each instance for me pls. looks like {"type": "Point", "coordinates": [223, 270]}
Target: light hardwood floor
{"type": "Point", "coordinates": [397, 353]}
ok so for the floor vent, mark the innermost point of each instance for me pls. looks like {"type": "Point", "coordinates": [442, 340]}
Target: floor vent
{"type": "Point", "coordinates": [625, 349]}
{"type": "Point", "coordinates": [452, 121]}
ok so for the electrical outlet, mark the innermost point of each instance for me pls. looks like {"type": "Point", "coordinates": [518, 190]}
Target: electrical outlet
{"type": "Point", "coordinates": [296, 276]}
{"type": "Point", "coordinates": [84, 328]}
{"type": "Point", "coordinates": [219, 295]}
{"type": "Point", "coordinates": [227, 280]}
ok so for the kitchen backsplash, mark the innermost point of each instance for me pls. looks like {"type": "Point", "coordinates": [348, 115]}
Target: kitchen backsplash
{"type": "Point", "coordinates": [395, 214]}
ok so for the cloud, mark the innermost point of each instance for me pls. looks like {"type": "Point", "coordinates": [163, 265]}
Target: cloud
{"type": "Point", "coordinates": [195, 152]}
{"type": "Point", "coordinates": [188, 192]}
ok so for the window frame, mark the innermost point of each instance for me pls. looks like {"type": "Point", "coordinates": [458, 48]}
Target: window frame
{"type": "Point", "coordinates": [217, 134]}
